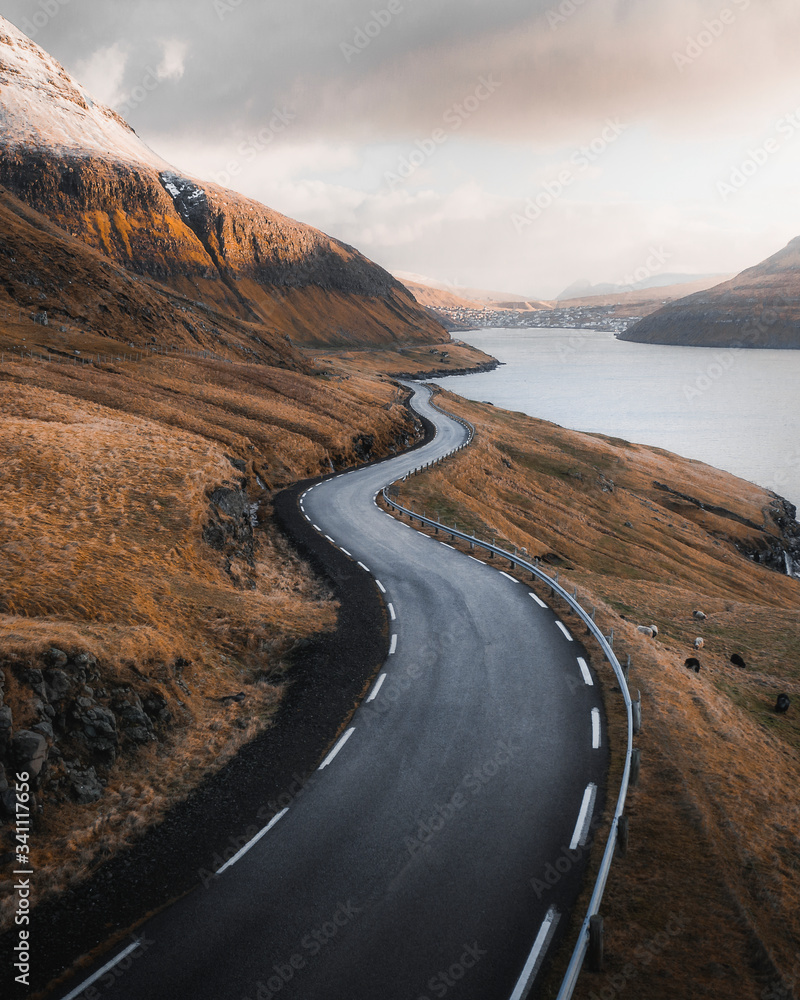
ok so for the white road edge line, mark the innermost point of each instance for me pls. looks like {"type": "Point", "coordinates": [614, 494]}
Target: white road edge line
{"type": "Point", "coordinates": [508, 576]}
{"type": "Point", "coordinates": [392, 615]}
{"type": "Point", "coordinates": [101, 972]}
{"type": "Point", "coordinates": [537, 953]}
{"type": "Point", "coordinates": [253, 842]}
{"type": "Point", "coordinates": [393, 645]}
{"type": "Point", "coordinates": [345, 551]}
{"type": "Point", "coordinates": [316, 527]}
{"type": "Point", "coordinates": [381, 587]}
{"type": "Point", "coordinates": [584, 817]}
{"type": "Point", "coordinates": [476, 560]}
{"type": "Point", "coordinates": [376, 689]}
{"type": "Point", "coordinates": [448, 545]}
{"type": "Point", "coordinates": [365, 568]}
{"type": "Point", "coordinates": [595, 729]}
{"type": "Point", "coordinates": [330, 540]}
{"type": "Point", "coordinates": [336, 749]}
{"type": "Point", "coordinates": [585, 671]}
{"type": "Point", "coordinates": [564, 629]}
{"type": "Point", "coordinates": [538, 599]}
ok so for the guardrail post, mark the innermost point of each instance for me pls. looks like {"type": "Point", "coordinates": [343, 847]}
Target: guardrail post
{"type": "Point", "coordinates": [622, 835]}
{"type": "Point", "coordinates": [636, 708]}
{"type": "Point", "coordinates": [596, 936]}
{"type": "Point", "coordinates": [626, 670]}
{"type": "Point", "coordinates": [636, 766]}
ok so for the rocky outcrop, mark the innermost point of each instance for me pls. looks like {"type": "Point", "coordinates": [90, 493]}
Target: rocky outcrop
{"type": "Point", "coordinates": [77, 726]}
{"type": "Point", "coordinates": [775, 543]}
{"type": "Point", "coordinates": [229, 531]}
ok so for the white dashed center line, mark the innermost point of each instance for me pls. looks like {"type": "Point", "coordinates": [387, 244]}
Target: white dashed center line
{"type": "Point", "coordinates": [336, 749]}
{"type": "Point", "coordinates": [377, 688]}
{"type": "Point", "coordinates": [563, 628]}
{"type": "Point", "coordinates": [595, 728]}
{"type": "Point", "coordinates": [392, 615]}
{"type": "Point", "coordinates": [393, 645]}
{"type": "Point", "coordinates": [585, 671]}
{"type": "Point", "coordinates": [584, 817]}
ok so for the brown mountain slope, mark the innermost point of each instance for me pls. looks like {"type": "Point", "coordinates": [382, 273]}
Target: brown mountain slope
{"type": "Point", "coordinates": [94, 304]}
{"type": "Point", "coordinates": [758, 308]}
{"type": "Point", "coordinates": [84, 168]}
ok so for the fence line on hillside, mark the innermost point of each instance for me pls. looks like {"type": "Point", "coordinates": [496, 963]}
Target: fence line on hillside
{"type": "Point", "coordinates": [11, 354]}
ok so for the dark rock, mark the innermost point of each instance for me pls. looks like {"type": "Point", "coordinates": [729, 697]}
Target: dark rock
{"type": "Point", "coordinates": [6, 720]}
{"type": "Point", "coordinates": [155, 705]}
{"type": "Point", "coordinates": [85, 661]}
{"type": "Point", "coordinates": [8, 804]}
{"type": "Point", "coordinates": [57, 685]}
{"type": "Point", "coordinates": [35, 680]}
{"type": "Point", "coordinates": [28, 752]}
{"type": "Point", "coordinates": [3, 779]}
{"type": "Point", "coordinates": [133, 720]}
{"type": "Point", "coordinates": [45, 729]}
{"type": "Point", "coordinates": [783, 703]}
{"type": "Point", "coordinates": [239, 464]}
{"type": "Point", "coordinates": [84, 786]}
{"type": "Point", "coordinates": [233, 697]}
{"type": "Point", "coordinates": [692, 664]}
{"type": "Point", "coordinates": [57, 657]}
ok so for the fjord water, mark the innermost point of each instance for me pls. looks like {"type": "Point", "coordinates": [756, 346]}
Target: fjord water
{"type": "Point", "coordinates": [738, 410]}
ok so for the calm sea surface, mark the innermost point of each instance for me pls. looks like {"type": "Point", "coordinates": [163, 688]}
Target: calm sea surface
{"type": "Point", "coordinates": [736, 410]}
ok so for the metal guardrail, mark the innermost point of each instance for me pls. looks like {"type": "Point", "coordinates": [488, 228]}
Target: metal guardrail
{"type": "Point", "coordinates": [579, 953]}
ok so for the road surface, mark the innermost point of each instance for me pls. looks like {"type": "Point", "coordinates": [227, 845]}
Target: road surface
{"type": "Point", "coordinates": [439, 845]}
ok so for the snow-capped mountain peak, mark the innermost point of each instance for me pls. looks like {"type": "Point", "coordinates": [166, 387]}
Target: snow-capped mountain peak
{"type": "Point", "coordinates": [43, 108]}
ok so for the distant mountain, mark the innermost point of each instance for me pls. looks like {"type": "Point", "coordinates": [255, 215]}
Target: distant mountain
{"type": "Point", "coordinates": [585, 289]}
{"type": "Point", "coordinates": [462, 293]}
{"type": "Point", "coordinates": [758, 308]}
{"type": "Point", "coordinates": [81, 166]}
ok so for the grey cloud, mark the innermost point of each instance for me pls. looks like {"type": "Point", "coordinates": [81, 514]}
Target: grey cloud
{"type": "Point", "coordinates": [559, 70]}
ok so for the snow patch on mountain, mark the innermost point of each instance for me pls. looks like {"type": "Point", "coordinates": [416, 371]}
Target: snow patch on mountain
{"type": "Point", "coordinates": [43, 108]}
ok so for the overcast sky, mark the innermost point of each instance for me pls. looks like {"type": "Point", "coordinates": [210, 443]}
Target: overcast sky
{"type": "Point", "coordinates": [515, 145]}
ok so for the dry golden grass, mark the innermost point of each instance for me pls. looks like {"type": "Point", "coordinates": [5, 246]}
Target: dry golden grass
{"type": "Point", "coordinates": [409, 359]}
{"type": "Point", "coordinates": [107, 475]}
{"type": "Point", "coordinates": [715, 821]}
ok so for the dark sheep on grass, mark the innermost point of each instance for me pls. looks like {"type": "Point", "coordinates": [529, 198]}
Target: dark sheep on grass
{"type": "Point", "coordinates": [783, 703]}
{"type": "Point", "coordinates": [692, 664]}
{"type": "Point", "coordinates": [737, 661]}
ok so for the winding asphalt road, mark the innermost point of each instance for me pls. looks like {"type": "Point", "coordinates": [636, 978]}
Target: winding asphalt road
{"type": "Point", "coordinates": [429, 855]}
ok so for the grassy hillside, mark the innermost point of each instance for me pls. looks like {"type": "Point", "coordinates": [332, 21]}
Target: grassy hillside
{"type": "Point", "coordinates": [142, 579]}
{"type": "Point", "coordinates": [715, 820]}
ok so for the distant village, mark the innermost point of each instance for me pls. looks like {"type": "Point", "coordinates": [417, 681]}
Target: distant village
{"type": "Point", "coordinates": [456, 318]}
